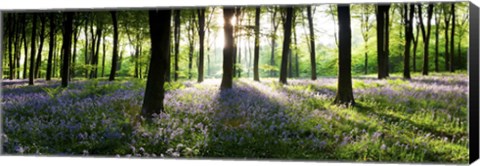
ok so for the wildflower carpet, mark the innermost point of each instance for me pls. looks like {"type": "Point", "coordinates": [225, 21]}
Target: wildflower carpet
{"type": "Point", "coordinates": [418, 120]}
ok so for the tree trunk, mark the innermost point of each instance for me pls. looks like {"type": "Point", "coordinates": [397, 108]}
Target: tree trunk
{"type": "Point", "coordinates": [447, 50]}
{"type": "Point", "coordinates": [382, 40]}
{"type": "Point", "coordinates": [190, 46]}
{"type": "Point", "coordinates": [287, 31]}
{"type": "Point", "coordinates": [50, 45]}
{"type": "Point", "coordinates": [452, 39]}
{"type": "Point", "coordinates": [10, 30]}
{"type": "Point", "coordinates": [160, 49]}
{"type": "Point", "coordinates": [256, 51]}
{"type": "Point", "coordinates": [40, 47]}
{"type": "Point", "coordinates": [67, 45]}
{"type": "Point", "coordinates": [274, 37]}
{"type": "Point", "coordinates": [25, 46]}
{"type": "Point", "coordinates": [227, 76]}
{"type": "Point", "coordinates": [177, 41]}
{"type": "Point", "coordinates": [437, 24]}
{"type": "Point", "coordinates": [415, 44]}
{"type": "Point", "coordinates": [425, 35]}
{"type": "Point", "coordinates": [32, 56]}
{"type": "Point", "coordinates": [115, 46]}
{"type": "Point", "coordinates": [344, 89]}
{"type": "Point", "coordinates": [86, 47]}
{"type": "Point", "coordinates": [408, 40]}
{"type": "Point", "coordinates": [76, 32]}
{"type": "Point", "coordinates": [201, 35]}
{"type": "Point", "coordinates": [313, 65]}
{"type": "Point", "coordinates": [103, 56]}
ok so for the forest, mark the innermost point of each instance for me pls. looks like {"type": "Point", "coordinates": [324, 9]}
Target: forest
{"type": "Point", "coordinates": [354, 82]}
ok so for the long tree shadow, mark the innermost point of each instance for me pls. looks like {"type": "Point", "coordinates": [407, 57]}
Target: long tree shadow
{"type": "Point", "coordinates": [250, 122]}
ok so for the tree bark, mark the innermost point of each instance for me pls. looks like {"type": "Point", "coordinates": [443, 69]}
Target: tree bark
{"type": "Point", "coordinates": [256, 51]}
{"type": "Point", "coordinates": [25, 46]}
{"type": "Point", "coordinates": [287, 31]}
{"type": "Point", "coordinates": [40, 47]}
{"type": "Point", "coordinates": [201, 35]}
{"type": "Point", "coordinates": [160, 49]}
{"type": "Point", "coordinates": [344, 87]}
{"type": "Point", "coordinates": [67, 45]}
{"type": "Point", "coordinates": [177, 41]}
{"type": "Point", "coordinates": [115, 46]}
{"type": "Point", "coordinates": [425, 35]}
{"type": "Point", "coordinates": [452, 39]}
{"type": "Point", "coordinates": [408, 39]}
{"type": "Point", "coordinates": [437, 24]}
{"type": "Point", "coordinates": [313, 64]}
{"type": "Point", "coordinates": [227, 76]}
{"type": "Point", "coordinates": [32, 56]}
{"type": "Point", "coordinates": [51, 48]}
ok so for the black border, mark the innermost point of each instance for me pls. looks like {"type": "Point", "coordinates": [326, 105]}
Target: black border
{"type": "Point", "coordinates": [474, 84]}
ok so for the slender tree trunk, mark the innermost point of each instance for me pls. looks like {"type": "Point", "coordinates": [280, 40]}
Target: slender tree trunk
{"type": "Point", "coordinates": [160, 48]}
{"type": "Point", "coordinates": [256, 51]}
{"type": "Point", "coordinates": [415, 44]}
{"type": "Point", "coordinates": [177, 41]}
{"type": "Point", "coordinates": [380, 40]}
{"type": "Point", "coordinates": [103, 56]}
{"type": "Point", "coordinates": [67, 45]}
{"type": "Point", "coordinates": [408, 39]}
{"type": "Point", "coordinates": [274, 37]}
{"type": "Point", "coordinates": [40, 47]}
{"type": "Point", "coordinates": [25, 47]}
{"type": "Point", "coordinates": [115, 47]}
{"type": "Point", "coordinates": [344, 90]}
{"type": "Point", "coordinates": [32, 57]}
{"type": "Point", "coordinates": [50, 45]}
{"type": "Point", "coordinates": [437, 24]}
{"type": "Point", "coordinates": [10, 30]}
{"type": "Point", "coordinates": [227, 76]}
{"type": "Point", "coordinates": [76, 33]}
{"type": "Point", "coordinates": [287, 31]}
{"type": "Point", "coordinates": [447, 50]}
{"type": "Point", "coordinates": [191, 46]}
{"type": "Point", "coordinates": [387, 41]}
{"type": "Point", "coordinates": [313, 65]}
{"type": "Point", "coordinates": [425, 35]}
{"type": "Point", "coordinates": [86, 47]}
{"type": "Point", "coordinates": [452, 39]}
{"type": "Point", "coordinates": [201, 35]}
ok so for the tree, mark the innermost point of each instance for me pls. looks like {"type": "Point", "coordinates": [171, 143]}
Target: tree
{"type": "Point", "coordinates": [344, 87]}
{"type": "Point", "coordinates": [437, 25]}
{"type": "Point", "coordinates": [446, 19]}
{"type": "Point", "coordinates": [50, 45]}
{"type": "Point", "coordinates": [275, 25]}
{"type": "Point", "coordinates": [67, 45]}
{"type": "Point", "coordinates": [201, 35]}
{"type": "Point", "coordinates": [32, 56]}
{"type": "Point", "coordinates": [287, 31]}
{"type": "Point", "coordinates": [382, 13]}
{"type": "Point", "coordinates": [177, 41]}
{"type": "Point", "coordinates": [159, 21]}
{"type": "Point", "coordinates": [425, 35]}
{"type": "Point", "coordinates": [452, 37]}
{"type": "Point", "coordinates": [10, 30]}
{"type": "Point", "coordinates": [40, 47]}
{"type": "Point", "coordinates": [256, 51]}
{"type": "Point", "coordinates": [115, 46]}
{"type": "Point", "coordinates": [227, 76]}
{"type": "Point", "coordinates": [25, 45]}
{"type": "Point", "coordinates": [408, 39]}
{"type": "Point", "coordinates": [313, 64]}
{"type": "Point", "coordinates": [415, 45]}
{"type": "Point", "coordinates": [366, 25]}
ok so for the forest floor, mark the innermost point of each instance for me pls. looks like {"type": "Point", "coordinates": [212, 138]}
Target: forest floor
{"type": "Point", "coordinates": [418, 120]}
